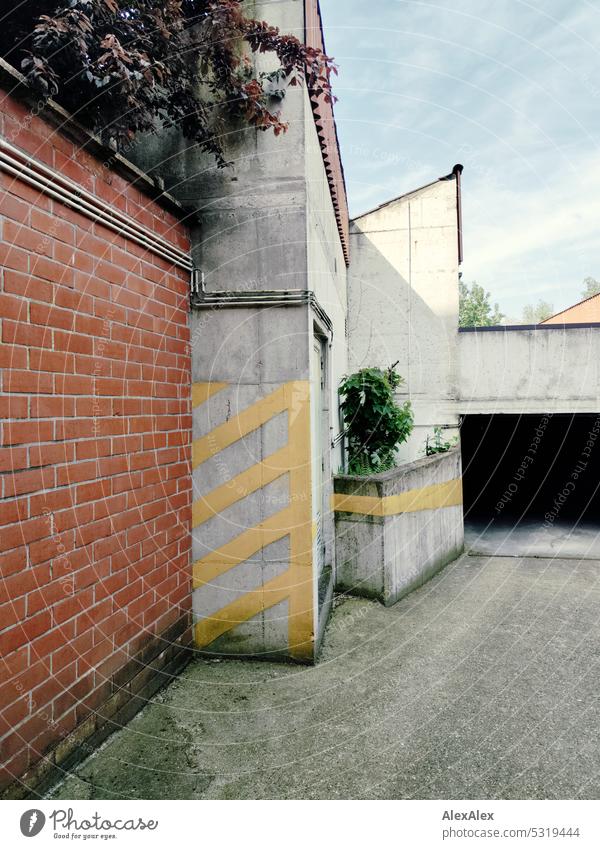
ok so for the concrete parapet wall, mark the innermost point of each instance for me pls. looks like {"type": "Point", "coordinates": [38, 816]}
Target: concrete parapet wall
{"type": "Point", "coordinates": [396, 529]}
{"type": "Point", "coordinates": [539, 369]}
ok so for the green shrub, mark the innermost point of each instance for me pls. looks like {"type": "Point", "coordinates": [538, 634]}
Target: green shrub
{"type": "Point", "coordinates": [437, 445]}
{"type": "Point", "coordinates": [375, 425]}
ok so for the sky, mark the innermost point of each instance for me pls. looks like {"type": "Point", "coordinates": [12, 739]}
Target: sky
{"type": "Point", "coordinates": [511, 90]}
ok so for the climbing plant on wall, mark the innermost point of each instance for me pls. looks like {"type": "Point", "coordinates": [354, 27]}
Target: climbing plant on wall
{"type": "Point", "coordinates": [128, 66]}
{"type": "Point", "coordinates": [375, 425]}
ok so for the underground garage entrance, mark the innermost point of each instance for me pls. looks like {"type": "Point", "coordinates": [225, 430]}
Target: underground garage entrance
{"type": "Point", "coordinates": [531, 484]}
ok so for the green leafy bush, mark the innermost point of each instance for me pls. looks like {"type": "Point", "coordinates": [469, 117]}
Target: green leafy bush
{"type": "Point", "coordinates": [437, 445]}
{"type": "Point", "coordinates": [375, 425]}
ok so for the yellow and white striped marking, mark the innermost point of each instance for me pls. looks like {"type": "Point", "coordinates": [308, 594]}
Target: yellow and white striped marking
{"type": "Point", "coordinates": [295, 520]}
{"type": "Point", "coordinates": [201, 392]}
{"type": "Point", "coordinates": [447, 494]}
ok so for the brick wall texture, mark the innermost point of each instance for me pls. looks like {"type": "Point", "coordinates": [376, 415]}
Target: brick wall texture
{"type": "Point", "coordinates": [94, 453]}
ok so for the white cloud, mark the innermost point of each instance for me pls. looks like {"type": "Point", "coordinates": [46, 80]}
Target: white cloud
{"type": "Point", "coordinates": [509, 89]}
{"type": "Point", "coordinates": [565, 208]}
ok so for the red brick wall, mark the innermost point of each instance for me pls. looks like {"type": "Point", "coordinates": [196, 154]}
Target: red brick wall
{"type": "Point", "coordinates": [95, 446]}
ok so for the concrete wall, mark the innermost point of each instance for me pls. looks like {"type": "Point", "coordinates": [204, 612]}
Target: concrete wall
{"type": "Point", "coordinates": [327, 273]}
{"type": "Point", "coordinates": [327, 277]}
{"type": "Point", "coordinates": [403, 301]}
{"type": "Point", "coordinates": [395, 530]}
{"type": "Point", "coordinates": [266, 223]}
{"type": "Point", "coordinates": [549, 369]}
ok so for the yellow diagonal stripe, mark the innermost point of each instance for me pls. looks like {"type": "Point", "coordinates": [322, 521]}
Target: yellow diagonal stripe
{"type": "Point", "coordinates": [208, 568]}
{"type": "Point", "coordinates": [447, 494]}
{"type": "Point", "coordinates": [301, 604]}
{"type": "Point", "coordinates": [295, 520]}
{"type": "Point", "coordinates": [241, 425]}
{"type": "Point", "coordinates": [248, 481]}
{"type": "Point", "coordinates": [242, 609]}
{"type": "Point", "coordinates": [201, 392]}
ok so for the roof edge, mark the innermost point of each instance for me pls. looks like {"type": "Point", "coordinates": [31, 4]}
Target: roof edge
{"type": "Point", "coordinates": [453, 175]}
{"type": "Point", "coordinates": [327, 134]}
{"type": "Point", "coordinates": [503, 328]}
{"type": "Point", "coordinates": [566, 309]}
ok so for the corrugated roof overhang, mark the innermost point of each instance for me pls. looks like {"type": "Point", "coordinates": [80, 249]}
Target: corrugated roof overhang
{"type": "Point", "coordinates": [327, 132]}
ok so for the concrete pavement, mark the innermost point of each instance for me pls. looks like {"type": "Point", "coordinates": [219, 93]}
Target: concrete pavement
{"type": "Point", "coordinates": [481, 684]}
{"type": "Point", "coordinates": [533, 538]}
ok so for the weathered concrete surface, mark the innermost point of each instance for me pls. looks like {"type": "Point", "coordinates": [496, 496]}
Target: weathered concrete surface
{"type": "Point", "coordinates": [266, 223]}
{"type": "Point", "coordinates": [482, 684]}
{"type": "Point", "coordinates": [530, 538]}
{"type": "Point", "coordinates": [403, 301]}
{"type": "Point", "coordinates": [549, 369]}
{"type": "Point", "coordinates": [385, 557]}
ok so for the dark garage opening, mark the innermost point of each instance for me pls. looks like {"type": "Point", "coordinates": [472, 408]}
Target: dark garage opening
{"type": "Point", "coordinates": [531, 484]}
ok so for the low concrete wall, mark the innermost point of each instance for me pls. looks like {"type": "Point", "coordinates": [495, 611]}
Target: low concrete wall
{"type": "Point", "coordinates": [544, 368]}
{"type": "Point", "coordinates": [396, 529]}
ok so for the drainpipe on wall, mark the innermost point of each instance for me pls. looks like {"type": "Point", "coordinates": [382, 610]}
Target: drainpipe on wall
{"type": "Point", "coordinates": [457, 171]}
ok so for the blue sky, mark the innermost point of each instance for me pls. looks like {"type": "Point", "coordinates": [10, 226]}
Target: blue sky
{"type": "Point", "coordinates": [511, 90]}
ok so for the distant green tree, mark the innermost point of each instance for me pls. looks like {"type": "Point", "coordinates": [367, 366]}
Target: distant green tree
{"type": "Point", "coordinates": [535, 313]}
{"type": "Point", "coordinates": [592, 287]}
{"type": "Point", "coordinates": [475, 308]}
